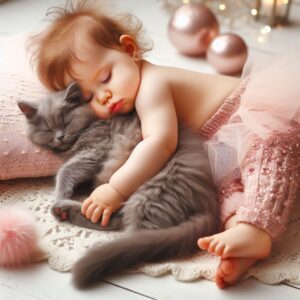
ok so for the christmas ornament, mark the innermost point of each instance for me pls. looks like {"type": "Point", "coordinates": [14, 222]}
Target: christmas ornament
{"type": "Point", "coordinates": [191, 29]}
{"type": "Point", "coordinates": [233, 13]}
{"type": "Point", "coordinates": [227, 53]}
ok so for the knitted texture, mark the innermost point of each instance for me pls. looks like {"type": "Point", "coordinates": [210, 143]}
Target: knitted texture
{"type": "Point", "coordinates": [18, 156]}
{"type": "Point", "coordinates": [262, 191]}
{"type": "Point", "coordinates": [65, 243]}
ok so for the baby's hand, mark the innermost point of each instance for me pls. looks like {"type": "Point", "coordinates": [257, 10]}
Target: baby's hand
{"type": "Point", "coordinates": [103, 201]}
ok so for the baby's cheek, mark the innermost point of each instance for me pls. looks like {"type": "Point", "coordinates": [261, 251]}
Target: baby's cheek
{"type": "Point", "coordinates": [101, 111]}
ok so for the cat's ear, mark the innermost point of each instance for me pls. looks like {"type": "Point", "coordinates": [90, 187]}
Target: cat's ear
{"type": "Point", "coordinates": [73, 94]}
{"type": "Point", "coordinates": [29, 110]}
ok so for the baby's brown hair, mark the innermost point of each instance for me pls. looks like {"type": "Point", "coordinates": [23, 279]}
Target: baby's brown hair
{"type": "Point", "coordinates": [53, 53]}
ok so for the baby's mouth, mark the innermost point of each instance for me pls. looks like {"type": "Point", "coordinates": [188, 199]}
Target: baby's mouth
{"type": "Point", "coordinates": [116, 107]}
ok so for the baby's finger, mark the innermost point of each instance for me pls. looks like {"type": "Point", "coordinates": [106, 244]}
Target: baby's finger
{"type": "Point", "coordinates": [106, 217]}
{"type": "Point", "coordinates": [90, 210]}
{"type": "Point", "coordinates": [86, 203]}
{"type": "Point", "coordinates": [97, 214]}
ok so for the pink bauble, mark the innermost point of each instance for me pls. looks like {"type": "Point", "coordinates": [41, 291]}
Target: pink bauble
{"type": "Point", "coordinates": [191, 29]}
{"type": "Point", "coordinates": [227, 53]}
{"type": "Point", "coordinates": [18, 237]}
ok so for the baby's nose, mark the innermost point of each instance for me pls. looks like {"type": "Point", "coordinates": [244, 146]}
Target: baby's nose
{"type": "Point", "coordinates": [103, 97]}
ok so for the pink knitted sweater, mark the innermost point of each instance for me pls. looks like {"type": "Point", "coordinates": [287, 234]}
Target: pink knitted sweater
{"type": "Point", "coordinates": [269, 174]}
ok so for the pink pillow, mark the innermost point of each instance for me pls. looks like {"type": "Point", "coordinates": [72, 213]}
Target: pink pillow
{"type": "Point", "coordinates": [18, 156]}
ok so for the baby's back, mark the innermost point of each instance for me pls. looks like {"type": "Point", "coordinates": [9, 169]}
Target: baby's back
{"type": "Point", "coordinates": [197, 96]}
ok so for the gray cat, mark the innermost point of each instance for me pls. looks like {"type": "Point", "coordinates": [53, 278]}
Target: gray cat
{"type": "Point", "coordinates": [163, 219]}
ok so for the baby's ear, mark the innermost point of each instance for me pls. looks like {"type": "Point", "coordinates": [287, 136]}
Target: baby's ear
{"type": "Point", "coordinates": [29, 110]}
{"type": "Point", "coordinates": [73, 94]}
{"type": "Point", "coordinates": [129, 45]}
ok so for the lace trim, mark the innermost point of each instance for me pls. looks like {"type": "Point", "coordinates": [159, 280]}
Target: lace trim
{"type": "Point", "coordinates": [65, 243]}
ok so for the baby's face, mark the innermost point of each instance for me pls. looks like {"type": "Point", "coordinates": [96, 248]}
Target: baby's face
{"type": "Point", "coordinates": [109, 79]}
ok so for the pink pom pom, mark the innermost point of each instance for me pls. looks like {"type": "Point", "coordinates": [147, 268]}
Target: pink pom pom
{"type": "Point", "coordinates": [18, 236]}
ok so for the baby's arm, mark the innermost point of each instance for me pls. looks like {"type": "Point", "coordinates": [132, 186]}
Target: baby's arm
{"type": "Point", "coordinates": [158, 118]}
{"type": "Point", "coordinates": [156, 110]}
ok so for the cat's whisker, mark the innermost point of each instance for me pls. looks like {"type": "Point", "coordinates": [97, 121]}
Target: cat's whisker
{"type": "Point", "coordinates": [49, 147]}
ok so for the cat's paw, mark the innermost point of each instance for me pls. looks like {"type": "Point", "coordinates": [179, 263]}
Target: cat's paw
{"type": "Point", "coordinates": [62, 210]}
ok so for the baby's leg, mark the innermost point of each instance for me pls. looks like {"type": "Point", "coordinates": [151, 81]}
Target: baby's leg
{"type": "Point", "coordinates": [238, 240]}
{"type": "Point", "coordinates": [271, 176]}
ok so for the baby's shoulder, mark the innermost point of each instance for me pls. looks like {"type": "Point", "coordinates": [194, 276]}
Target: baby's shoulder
{"type": "Point", "coordinates": [154, 86]}
{"type": "Point", "coordinates": [152, 73]}
{"type": "Point", "coordinates": [159, 75]}
{"type": "Point", "coordinates": [153, 79]}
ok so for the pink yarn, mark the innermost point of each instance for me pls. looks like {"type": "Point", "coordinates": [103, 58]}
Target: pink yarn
{"type": "Point", "coordinates": [18, 237]}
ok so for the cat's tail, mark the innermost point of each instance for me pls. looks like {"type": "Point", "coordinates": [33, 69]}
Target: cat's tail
{"type": "Point", "coordinates": [140, 247]}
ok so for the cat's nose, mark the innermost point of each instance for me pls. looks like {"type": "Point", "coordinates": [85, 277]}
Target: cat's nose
{"type": "Point", "coordinates": [60, 136]}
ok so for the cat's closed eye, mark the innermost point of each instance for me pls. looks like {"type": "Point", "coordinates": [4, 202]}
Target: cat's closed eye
{"type": "Point", "coordinates": [67, 123]}
{"type": "Point", "coordinates": [65, 120]}
{"type": "Point", "coordinates": [45, 127]}
{"type": "Point", "coordinates": [47, 130]}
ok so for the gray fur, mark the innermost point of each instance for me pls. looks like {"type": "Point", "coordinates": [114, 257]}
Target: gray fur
{"type": "Point", "coordinates": [163, 219]}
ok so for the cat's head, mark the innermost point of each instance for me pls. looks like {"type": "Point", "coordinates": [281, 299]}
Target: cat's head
{"type": "Point", "coordinates": [56, 121]}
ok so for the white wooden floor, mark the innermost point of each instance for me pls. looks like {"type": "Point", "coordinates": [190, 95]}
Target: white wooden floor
{"type": "Point", "coordinates": [39, 281]}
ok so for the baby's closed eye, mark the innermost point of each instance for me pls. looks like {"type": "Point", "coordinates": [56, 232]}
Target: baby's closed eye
{"type": "Point", "coordinates": [105, 76]}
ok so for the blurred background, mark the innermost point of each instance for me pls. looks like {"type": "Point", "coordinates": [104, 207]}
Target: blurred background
{"type": "Point", "coordinates": [262, 25]}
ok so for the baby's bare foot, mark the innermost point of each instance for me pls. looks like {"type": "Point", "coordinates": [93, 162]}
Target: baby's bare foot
{"type": "Point", "coordinates": [242, 240]}
{"type": "Point", "coordinates": [231, 270]}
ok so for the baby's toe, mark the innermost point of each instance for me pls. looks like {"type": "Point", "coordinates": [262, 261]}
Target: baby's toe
{"type": "Point", "coordinates": [226, 252]}
{"type": "Point", "coordinates": [219, 278]}
{"type": "Point", "coordinates": [219, 249]}
{"type": "Point", "coordinates": [213, 244]}
{"type": "Point", "coordinates": [203, 243]}
{"type": "Point", "coordinates": [221, 283]}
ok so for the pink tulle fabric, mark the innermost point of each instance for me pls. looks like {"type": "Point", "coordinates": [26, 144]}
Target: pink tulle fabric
{"type": "Point", "coordinates": [269, 102]}
{"type": "Point", "coordinates": [272, 98]}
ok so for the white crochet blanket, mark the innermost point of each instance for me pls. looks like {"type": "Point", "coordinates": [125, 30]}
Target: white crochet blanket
{"type": "Point", "coordinates": [65, 243]}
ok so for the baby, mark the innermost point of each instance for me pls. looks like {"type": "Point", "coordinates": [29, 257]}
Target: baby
{"type": "Point", "coordinates": [256, 170]}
